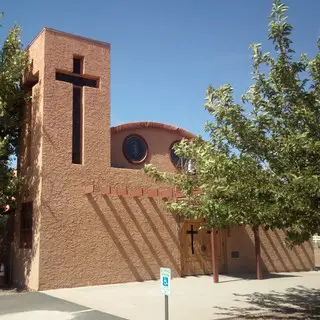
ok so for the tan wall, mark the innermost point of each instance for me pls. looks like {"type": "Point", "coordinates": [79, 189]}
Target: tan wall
{"type": "Point", "coordinates": [276, 256]}
{"type": "Point", "coordinates": [26, 261]}
{"type": "Point", "coordinates": [158, 141]}
{"type": "Point", "coordinates": [316, 247]}
{"type": "Point", "coordinates": [65, 211]}
{"type": "Point", "coordinates": [239, 239]}
{"type": "Point", "coordinates": [92, 240]}
{"type": "Point", "coordinates": [97, 239]}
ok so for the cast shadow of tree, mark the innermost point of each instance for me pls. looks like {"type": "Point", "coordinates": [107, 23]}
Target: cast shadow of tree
{"type": "Point", "coordinates": [6, 236]}
{"type": "Point", "coordinates": [295, 303]}
{"type": "Point", "coordinates": [29, 174]}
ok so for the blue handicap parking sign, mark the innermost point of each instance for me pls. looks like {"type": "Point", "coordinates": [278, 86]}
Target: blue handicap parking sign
{"type": "Point", "coordinates": [165, 275]}
{"type": "Point", "coordinates": [165, 281]}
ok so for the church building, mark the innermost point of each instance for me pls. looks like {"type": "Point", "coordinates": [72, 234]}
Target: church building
{"type": "Point", "coordinates": [88, 214]}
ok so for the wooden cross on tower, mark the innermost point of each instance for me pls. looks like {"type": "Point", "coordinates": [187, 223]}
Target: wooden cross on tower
{"type": "Point", "coordinates": [79, 80]}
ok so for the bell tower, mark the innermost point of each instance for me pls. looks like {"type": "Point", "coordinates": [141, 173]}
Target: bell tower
{"type": "Point", "coordinates": [76, 95]}
{"type": "Point", "coordinates": [67, 145]}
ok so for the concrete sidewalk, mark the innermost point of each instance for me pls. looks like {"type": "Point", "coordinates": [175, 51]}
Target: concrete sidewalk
{"type": "Point", "coordinates": [196, 298]}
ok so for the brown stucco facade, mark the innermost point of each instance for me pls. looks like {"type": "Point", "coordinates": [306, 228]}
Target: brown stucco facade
{"type": "Point", "coordinates": [159, 138]}
{"type": "Point", "coordinates": [104, 221]}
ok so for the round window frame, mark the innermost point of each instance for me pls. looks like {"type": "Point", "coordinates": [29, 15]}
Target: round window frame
{"type": "Point", "coordinates": [144, 141]}
{"type": "Point", "coordinates": [170, 150]}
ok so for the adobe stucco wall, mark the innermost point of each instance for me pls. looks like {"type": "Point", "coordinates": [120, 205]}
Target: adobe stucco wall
{"type": "Point", "coordinates": [99, 239]}
{"type": "Point", "coordinates": [65, 212]}
{"type": "Point", "coordinates": [276, 256]}
{"type": "Point", "coordinates": [26, 261]}
{"type": "Point", "coordinates": [159, 138]}
{"type": "Point", "coordinates": [93, 239]}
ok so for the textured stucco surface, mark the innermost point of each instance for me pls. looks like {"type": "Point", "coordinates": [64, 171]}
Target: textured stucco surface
{"type": "Point", "coordinates": [108, 239]}
{"type": "Point", "coordinates": [66, 223]}
{"type": "Point", "coordinates": [26, 261]}
{"type": "Point", "coordinates": [91, 238]}
{"type": "Point", "coordinates": [275, 255]}
{"type": "Point", "coordinates": [158, 140]}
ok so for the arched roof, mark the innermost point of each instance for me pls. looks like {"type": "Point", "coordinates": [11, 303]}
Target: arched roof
{"type": "Point", "coordinates": [150, 124]}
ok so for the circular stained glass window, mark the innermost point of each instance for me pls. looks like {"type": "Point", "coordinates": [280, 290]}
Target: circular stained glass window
{"type": "Point", "coordinates": [135, 149]}
{"type": "Point", "coordinates": [176, 160]}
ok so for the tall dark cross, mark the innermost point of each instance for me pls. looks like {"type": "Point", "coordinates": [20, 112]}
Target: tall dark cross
{"type": "Point", "coordinates": [192, 232]}
{"type": "Point", "coordinates": [79, 80]}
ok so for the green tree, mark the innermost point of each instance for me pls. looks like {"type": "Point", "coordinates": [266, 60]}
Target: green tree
{"type": "Point", "coordinates": [222, 189]}
{"type": "Point", "coordinates": [13, 64]}
{"type": "Point", "coordinates": [260, 165]}
{"type": "Point", "coordinates": [282, 130]}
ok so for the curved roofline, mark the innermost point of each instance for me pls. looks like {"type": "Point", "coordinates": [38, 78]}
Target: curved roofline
{"type": "Point", "coordinates": [150, 124]}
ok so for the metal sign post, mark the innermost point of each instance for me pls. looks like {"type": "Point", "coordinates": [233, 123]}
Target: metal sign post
{"type": "Point", "coordinates": [165, 279]}
{"type": "Point", "coordinates": [166, 307]}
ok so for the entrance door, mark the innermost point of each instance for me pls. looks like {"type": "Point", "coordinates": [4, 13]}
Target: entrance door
{"type": "Point", "coordinates": [196, 249]}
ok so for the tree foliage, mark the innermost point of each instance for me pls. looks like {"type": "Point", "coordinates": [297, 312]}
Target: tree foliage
{"type": "Point", "coordinates": [13, 63]}
{"type": "Point", "coordinates": [226, 189]}
{"type": "Point", "coordinates": [261, 163]}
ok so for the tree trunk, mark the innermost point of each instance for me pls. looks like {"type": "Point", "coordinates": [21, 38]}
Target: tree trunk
{"type": "Point", "coordinates": [215, 262]}
{"type": "Point", "coordinates": [257, 251]}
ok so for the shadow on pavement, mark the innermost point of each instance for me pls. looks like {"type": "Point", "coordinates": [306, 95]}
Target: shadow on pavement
{"type": "Point", "coordinates": [252, 276]}
{"type": "Point", "coordinates": [294, 303]}
{"type": "Point", "coordinates": [240, 277]}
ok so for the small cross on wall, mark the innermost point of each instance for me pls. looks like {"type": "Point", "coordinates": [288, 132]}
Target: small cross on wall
{"type": "Point", "coordinates": [192, 232]}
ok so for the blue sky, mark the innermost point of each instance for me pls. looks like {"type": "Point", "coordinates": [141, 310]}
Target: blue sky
{"type": "Point", "coordinates": [164, 53]}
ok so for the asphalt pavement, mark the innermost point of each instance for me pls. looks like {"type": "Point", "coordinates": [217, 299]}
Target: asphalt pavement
{"type": "Point", "coordinates": [40, 306]}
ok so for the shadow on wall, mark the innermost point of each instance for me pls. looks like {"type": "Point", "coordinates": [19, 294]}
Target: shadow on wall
{"type": "Point", "coordinates": [276, 256]}
{"type": "Point", "coordinates": [316, 247]}
{"type": "Point", "coordinates": [241, 251]}
{"type": "Point", "coordinates": [280, 258]}
{"type": "Point", "coordinates": [134, 265]}
{"type": "Point", "coordinates": [6, 236]}
{"type": "Point", "coordinates": [156, 232]}
{"type": "Point", "coordinates": [295, 303]}
{"type": "Point", "coordinates": [29, 172]}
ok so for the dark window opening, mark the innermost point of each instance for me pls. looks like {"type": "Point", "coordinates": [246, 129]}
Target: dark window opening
{"type": "Point", "coordinates": [77, 65]}
{"type": "Point", "coordinates": [77, 126]}
{"type": "Point", "coordinates": [235, 254]}
{"type": "Point", "coordinates": [29, 131]}
{"type": "Point", "coordinates": [26, 215]}
{"type": "Point", "coordinates": [76, 80]}
{"type": "Point", "coordinates": [30, 82]}
{"type": "Point", "coordinates": [135, 149]}
{"type": "Point", "coordinates": [177, 161]}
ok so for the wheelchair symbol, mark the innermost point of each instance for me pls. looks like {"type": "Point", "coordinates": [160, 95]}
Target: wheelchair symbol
{"type": "Point", "coordinates": [165, 281]}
